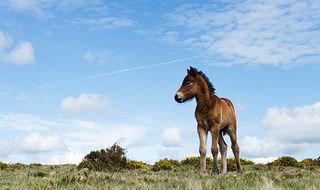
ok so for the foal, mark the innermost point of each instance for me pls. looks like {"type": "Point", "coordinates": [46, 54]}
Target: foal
{"type": "Point", "coordinates": [213, 114]}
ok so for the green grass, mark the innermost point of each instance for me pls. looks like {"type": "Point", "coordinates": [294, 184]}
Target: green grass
{"type": "Point", "coordinates": [69, 177]}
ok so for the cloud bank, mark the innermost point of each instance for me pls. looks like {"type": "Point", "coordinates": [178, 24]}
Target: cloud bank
{"type": "Point", "coordinates": [58, 141]}
{"type": "Point", "coordinates": [287, 131]}
{"type": "Point", "coordinates": [84, 104]}
{"type": "Point", "coordinates": [283, 33]}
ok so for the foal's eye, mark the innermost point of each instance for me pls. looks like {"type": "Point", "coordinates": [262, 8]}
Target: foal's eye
{"type": "Point", "coordinates": [189, 83]}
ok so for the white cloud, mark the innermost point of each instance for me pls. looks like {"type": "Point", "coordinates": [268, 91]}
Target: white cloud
{"type": "Point", "coordinates": [25, 122]}
{"type": "Point", "coordinates": [21, 54]}
{"type": "Point", "coordinates": [97, 57]}
{"type": "Point", "coordinates": [36, 7]}
{"type": "Point", "coordinates": [5, 41]}
{"type": "Point", "coordinates": [253, 147]}
{"type": "Point", "coordinates": [169, 152]}
{"type": "Point", "coordinates": [171, 137]}
{"type": "Point", "coordinates": [68, 156]}
{"type": "Point", "coordinates": [104, 22]}
{"type": "Point", "coordinates": [263, 160]}
{"type": "Point", "coordinates": [287, 131]}
{"type": "Point", "coordinates": [251, 32]}
{"type": "Point", "coordinates": [36, 139]}
{"type": "Point", "coordinates": [36, 142]}
{"type": "Point", "coordinates": [84, 104]}
{"type": "Point", "coordinates": [294, 125]}
{"type": "Point", "coordinates": [7, 147]}
{"type": "Point", "coordinates": [96, 13]}
{"type": "Point", "coordinates": [104, 135]}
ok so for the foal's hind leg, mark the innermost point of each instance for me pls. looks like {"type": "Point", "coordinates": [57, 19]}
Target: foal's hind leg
{"type": "Point", "coordinates": [214, 147]}
{"type": "Point", "coordinates": [234, 145]}
{"type": "Point", "coordinates": [223, 152]}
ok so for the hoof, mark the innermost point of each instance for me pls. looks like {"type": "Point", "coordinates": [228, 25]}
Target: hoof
{"type": "Point", "coordinates": [224, 173]}
{"type": "Point", "coordinates": [202, 171]}
{"type": "Point", "coordinates": [215, 171]}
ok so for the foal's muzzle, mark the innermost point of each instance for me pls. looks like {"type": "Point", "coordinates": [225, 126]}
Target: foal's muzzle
{"type": "Point", "coordinates": [178, 97]}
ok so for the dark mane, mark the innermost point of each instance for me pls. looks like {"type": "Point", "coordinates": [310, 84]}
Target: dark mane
{"type": "Point", "coordinates": [204, 76]}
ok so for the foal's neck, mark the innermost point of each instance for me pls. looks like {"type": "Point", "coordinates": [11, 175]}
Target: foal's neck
{"type": "Point", "coordinates": [204, 97]}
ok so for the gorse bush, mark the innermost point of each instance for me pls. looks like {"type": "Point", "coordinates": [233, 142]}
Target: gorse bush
{"type": "Point", "coordinates": [309, 162]}
{"type": "Point", "coordinates": [166, 164]}
{"type": "Point", "coordinates": [133, 164]}
{"type": "Point", "coordinates": [194, 161]}
{"type": "Point", "coordinates": [285, 161]}
{"type": "Point", "coordinates": [112, 158]}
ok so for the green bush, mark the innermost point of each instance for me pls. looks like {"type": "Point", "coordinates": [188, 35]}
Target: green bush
{"type": "Point", "coordinates": [309, 162]}
{"type": "Point", "coordinates": [3, 166]}
{"type": "Point", "coordinates": [35, 165]}
{"type": "Point", "coordinates": [285, 161]}
{"type": "Point", "coordinates": [17, 166]}
{"type": "Point", "coordinates": [166, 164]}
{"type": "Point", "coordinates": [317, 160]}
{"type": "Point", "coordinates": [194, 161]}
{"type": "Point", "coordinates": [112, 158]}
{"type": "Point", "coordinates": [231, 163]}
{"type": "Point", "coordinates": [246, 162]}
{"type": "Point", "coordinates": [133, 164]}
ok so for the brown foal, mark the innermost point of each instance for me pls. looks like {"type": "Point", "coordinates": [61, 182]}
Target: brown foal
{"type": "Point", "coordinates": [213, 114]}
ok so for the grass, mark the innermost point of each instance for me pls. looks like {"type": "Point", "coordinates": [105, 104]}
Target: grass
{"type": "Point", "coordinates": [69, 177]}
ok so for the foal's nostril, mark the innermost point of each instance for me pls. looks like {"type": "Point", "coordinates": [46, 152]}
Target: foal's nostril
{"type": "Point", "coordinates": [177, 98]}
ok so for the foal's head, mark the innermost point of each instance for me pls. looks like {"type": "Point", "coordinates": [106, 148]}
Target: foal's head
{"type": "Point", "coordinates": [191, 85]}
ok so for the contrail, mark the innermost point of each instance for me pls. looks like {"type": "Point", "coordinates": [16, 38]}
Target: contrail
{"type": "Point", "coordinates": [139, 68]}
{"type": "Point", "coordinates": [116, 72]}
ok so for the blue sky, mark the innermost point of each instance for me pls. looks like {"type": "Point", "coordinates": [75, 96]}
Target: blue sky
{"type": "Point", "coordinates": [80, 75]}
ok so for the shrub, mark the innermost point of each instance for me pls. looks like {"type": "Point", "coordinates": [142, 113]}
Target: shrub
{"type": "Point", "coordinates": [133, 164]}
{"type": "Point", "coordinates": [231, 163]}
{"type": "Point", "coordinates": [285, 161]}
{"type": "Point", "coordinates": [194, 161]}
{"type": "Point", "coordinates": [35, 165]}
{"type": "Point", "coordinates": [317, 160]}
{"type": "Point", "coordinates": [112, 158]}
{"type": "Point", "coordinates": [17, 166]}
{"type": "Point", "coordinates": [3, 166]}
{"type": "Point", "coordinates": [166, 164]}
{"type": "Point", "coordinates": [246, 162]}
{"type": "Point", "coordinates": [309, 162]}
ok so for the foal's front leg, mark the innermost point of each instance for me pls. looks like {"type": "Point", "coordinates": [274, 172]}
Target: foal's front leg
{"type": "Point", "coordinates": [202, 148]}
{"type": "Point", "coordinates": [214, 147]}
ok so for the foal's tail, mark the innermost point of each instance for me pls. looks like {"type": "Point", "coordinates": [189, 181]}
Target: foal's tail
{"type": "Point", "coordinates": [223, 131]}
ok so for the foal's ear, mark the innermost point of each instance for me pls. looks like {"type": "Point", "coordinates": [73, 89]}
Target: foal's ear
{"type": "Point", "coordinates": [192, 71]}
